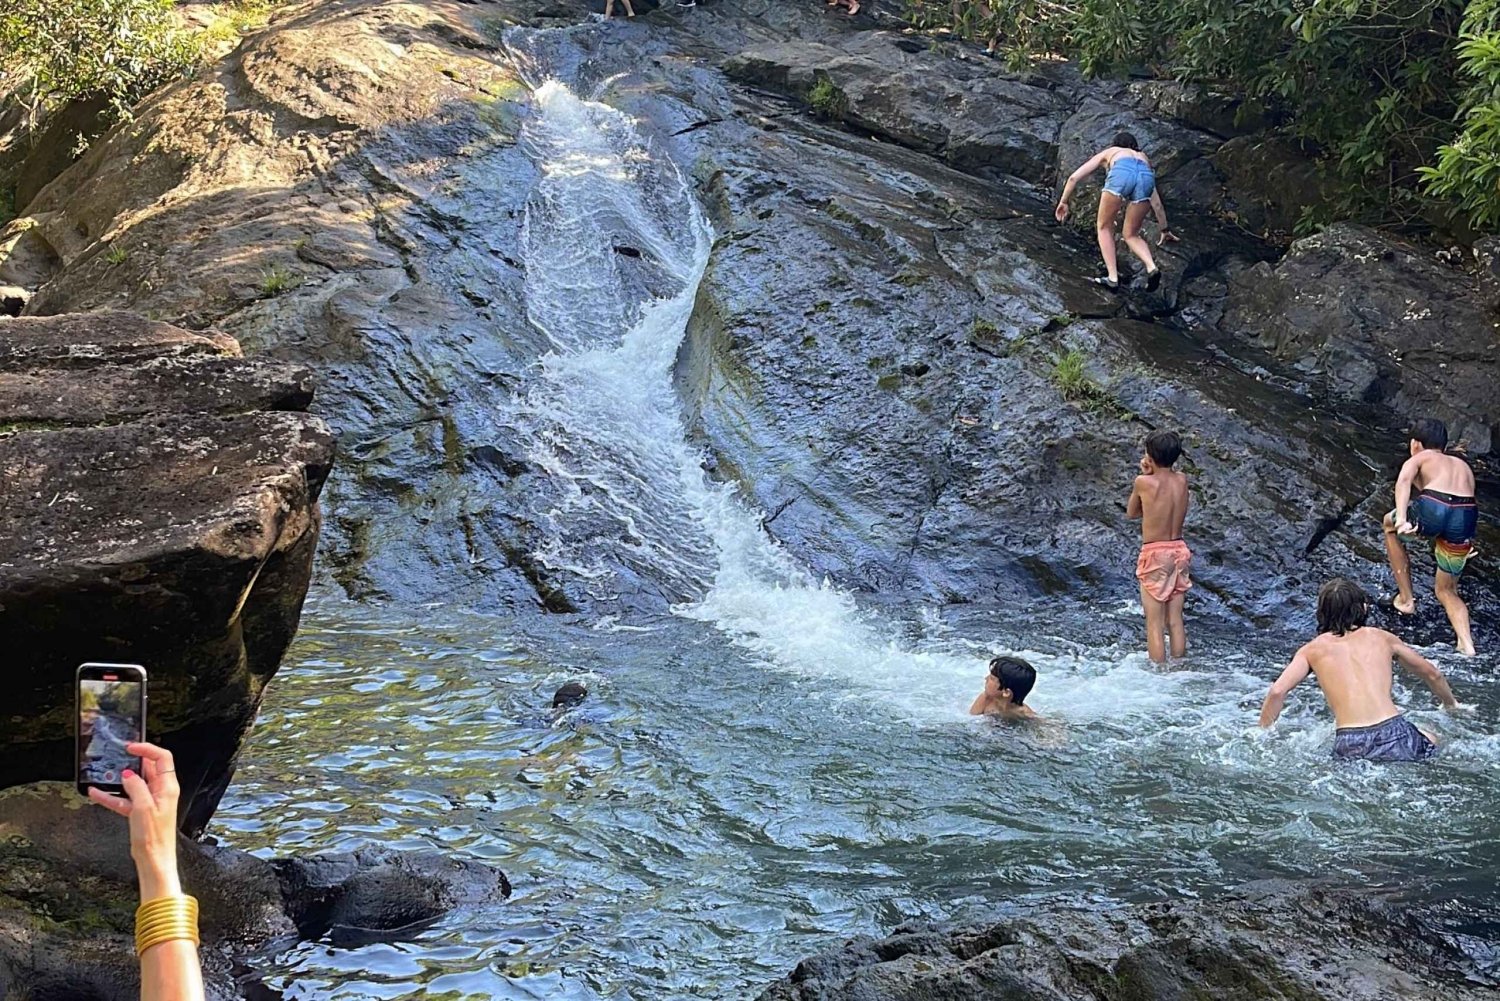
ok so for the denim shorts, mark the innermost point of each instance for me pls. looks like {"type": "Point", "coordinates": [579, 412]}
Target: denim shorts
{"type": "Point", "coordinates": [1131, 179]}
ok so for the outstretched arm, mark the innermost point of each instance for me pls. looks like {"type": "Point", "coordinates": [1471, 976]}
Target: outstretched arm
{"type": "Point", "coordinates": [1404, 482]}
{"type": "Point", "coordinates": [1164, 232]}
{"type": "Point", "coordinates": [1427, 671]}
{"type": "Point", "coordinates": [1074, 179]}
{"type": "Point", "coordinates": [1276, 697]}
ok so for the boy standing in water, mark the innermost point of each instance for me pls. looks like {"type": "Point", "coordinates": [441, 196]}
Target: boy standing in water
{"type": "Point", "coordinates": [1005, 690]}
{"type": "Point", "coordinates": [1160, 501]}
{"type": "Point", "coordinates": [1353, 664]}
{"type": "Point", "coordinates": [1442, 509]}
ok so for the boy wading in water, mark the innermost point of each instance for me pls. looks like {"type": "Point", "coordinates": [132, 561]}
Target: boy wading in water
{"type": "Point", "coordinates": [1160, 501]}
{"type": "Point", "coordinates": [1130, 182]}
{"type": "Point", "coordinates": [1353, 665]}
{"type": "Point", "coordinates": [1442, 509]}
{"type": "Point", "coordinates": [1005, 690]}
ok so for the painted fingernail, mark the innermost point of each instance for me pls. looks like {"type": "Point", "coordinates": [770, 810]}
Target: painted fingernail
{"type": "Point", "coordinates": [127, 773]}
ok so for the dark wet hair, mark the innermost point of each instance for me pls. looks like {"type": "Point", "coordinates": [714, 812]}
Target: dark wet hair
{"type": "Point", "coordinates": [1127, 140]}
{"type": "Point", "coordinates": [1431, 432]}
{"type": "Point", "coordinates": [1015, 674]}
{"type": "Point", "coordinates": [1164, 447]}
{"type": "Point", "coordinates": [569, 695]}
{"type": "Point", "coordinates": [1342, 605]}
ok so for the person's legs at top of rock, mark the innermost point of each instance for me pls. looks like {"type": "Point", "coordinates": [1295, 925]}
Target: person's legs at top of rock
{"type": "Point", "coordinates": [1135, 214]}
{"type": "Point", "coordinates": [609, 8]}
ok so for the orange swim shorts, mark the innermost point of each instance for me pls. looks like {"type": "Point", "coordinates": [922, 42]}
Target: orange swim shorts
{"type": "Point", "coordinates": [1163, 569]}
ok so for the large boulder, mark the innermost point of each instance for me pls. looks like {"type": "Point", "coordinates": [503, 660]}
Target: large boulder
{"type": "Point", "coordinates": [1369, 319]}
{"type": "Point", "coordinates": [1267, 943]}
{"type": "Point", "coordinates": [68, 896]}
{"type": "Point", "coordinates": [158, 505]}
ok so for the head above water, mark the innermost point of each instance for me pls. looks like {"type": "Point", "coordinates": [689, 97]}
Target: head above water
{"type": "Point", "coordinates": [1126, 140]}
{"type": "Point", "coordinates": [1429, 432]}
{"type": "Point", "coordinates": [1164, 448]}
{"type": "Point", "coordinates": [1014, 675]}
{"type": "Point", "coordinates": [1342, 606]}
{"type": "Point", "coordinates": [569, 695]}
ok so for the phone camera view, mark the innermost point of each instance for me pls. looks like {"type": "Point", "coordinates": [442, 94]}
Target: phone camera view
{"type": "Point", "coordinates": [109, 718]}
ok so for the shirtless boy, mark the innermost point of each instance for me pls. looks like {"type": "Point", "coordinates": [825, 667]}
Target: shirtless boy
{"type": "Point", "coordinates": [1005, 690]}
{"type": "Point", "coordinates": [1353, 664]}
{"type": "Point", "coordinates": [1443, 509]}
{"type": "Point", "coordinates": [1160, 501]}
{"type": "Point", "coordinates": [1130, 182]}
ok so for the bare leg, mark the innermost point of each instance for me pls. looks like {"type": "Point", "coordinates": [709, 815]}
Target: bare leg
{"type": "Point", "coordinates": [1406, 602]}
{"type": "Point", "coordinates": [1176, 627]}
{"type": "Point", "coordinates": [1109, 208]}
{"type": "Point", "coordinates": [629, 10]}
{"type": "Point", "coordinates": [609, 8]}
{"type": "Point", "coordinates": [1156, 627]}
{"type": "Point", "coordinates": [1446, 587]}
{"type": "Point", "coordinates": [1135, 214]}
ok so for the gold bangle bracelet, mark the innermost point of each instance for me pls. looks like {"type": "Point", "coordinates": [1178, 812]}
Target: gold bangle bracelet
{"type": "Point", "coordinates": [166, 919]}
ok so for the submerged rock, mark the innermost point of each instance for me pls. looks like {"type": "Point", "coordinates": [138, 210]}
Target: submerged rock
{"type": "Point", "coordinates": [156, 507]}
{"type": "Point", "coordinates": [68, 898]}
{"type": "Point", "coordinates": [1267, 943]}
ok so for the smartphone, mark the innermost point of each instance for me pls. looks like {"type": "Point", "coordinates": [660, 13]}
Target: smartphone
{"type": "Point", "coordinates": [111, 714]}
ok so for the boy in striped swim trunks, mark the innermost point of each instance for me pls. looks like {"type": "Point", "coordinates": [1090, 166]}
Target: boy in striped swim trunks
{"type": "Point", "coordinates": [1160, 501]}
{"type": "Point", "coordinates": [1434, 500]}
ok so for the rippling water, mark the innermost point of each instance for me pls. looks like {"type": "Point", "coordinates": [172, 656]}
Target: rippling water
{"type": "Point", "coordinates": [707, 818]}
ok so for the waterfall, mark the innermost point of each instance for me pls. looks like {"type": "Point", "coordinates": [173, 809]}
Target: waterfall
{"type": "Point", "coordinates": [615, 245]}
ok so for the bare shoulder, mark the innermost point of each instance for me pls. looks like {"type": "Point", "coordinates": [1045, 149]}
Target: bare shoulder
{"type": "Point", "coordinates": [1146, 484]}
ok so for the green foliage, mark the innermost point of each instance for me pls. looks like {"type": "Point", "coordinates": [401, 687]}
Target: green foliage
{"type": "Point", "coordinates": [1077, 386]}
{"type": "Point", "coordinates": [983, 328]}
{"type": "Point", "coordinates": [277, 279]}
{"type": "Point", "coordinates": [64, 50]}
{"type": "Point", "coordinates": [1402, 97]}
{"type": "Point", "coordinates": [116, 255]}
{"type": "Point", "coordinates": [826, 99]}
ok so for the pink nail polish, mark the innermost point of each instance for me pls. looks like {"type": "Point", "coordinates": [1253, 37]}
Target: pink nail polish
{"type": "Point", "coordinates": [127, 773]}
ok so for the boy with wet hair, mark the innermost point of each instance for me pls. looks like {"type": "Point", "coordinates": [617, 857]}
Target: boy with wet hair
{"type": "Point", "coordinates": [1434, 500]}
{"type": "Point", "coordinates": [1352, 662]}
{"type": "Point", "coordinates": [1005, 689]}
{"type": "Point", "coordinates": [1160, 500]}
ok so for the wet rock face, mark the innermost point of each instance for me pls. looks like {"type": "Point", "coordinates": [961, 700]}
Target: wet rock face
{"type": "Point", "coordinates": [156, 507]}
{"type": "Point", "coordinates": [68, 897]}
{"type": "Point", "coordinates": [1370, 319]}
{"type": "Point", "coordinates": [875, 353]}
{"type": "Point", "coordinates": [1268, 943]}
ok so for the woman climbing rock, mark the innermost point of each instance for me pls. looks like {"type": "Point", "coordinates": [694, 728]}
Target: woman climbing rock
{"type": "Point", "coordinates": [1130, 182]}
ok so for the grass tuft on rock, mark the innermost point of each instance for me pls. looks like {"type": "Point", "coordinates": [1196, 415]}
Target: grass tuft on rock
{"type": "Point", "coordinates": [1077, 386]}
{"type": "Point", "coordinates": [116, 255]}
{"type": "Point", "coordinates": [826, 99]}
{"type": "Point", "coordinates": [277, 279]}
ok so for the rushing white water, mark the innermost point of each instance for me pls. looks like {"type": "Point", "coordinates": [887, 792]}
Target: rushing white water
{"type": "Point", "coordinates": [604, 421]}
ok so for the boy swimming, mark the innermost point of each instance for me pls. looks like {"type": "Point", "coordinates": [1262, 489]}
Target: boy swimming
{"type": "Point", "coordinates": [1442, 509]}
{"type": "Point", "coordinates": [1130, 182]}
{"type": "Point", "coordinates": [1160, 500]}
{"type": "Point", "coordinates": [1005, 690]}
{"type": "Point", "coordinates": [1352, 662]}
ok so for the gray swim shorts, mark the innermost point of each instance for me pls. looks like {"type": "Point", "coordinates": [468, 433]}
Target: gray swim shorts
{"type": "Point", "coordinates": [1393, 739]}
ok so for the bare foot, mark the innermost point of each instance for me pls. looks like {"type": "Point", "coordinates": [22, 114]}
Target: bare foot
{"type": "Point", "coordinates": [1467, 649]}
{"type": "Point", "coordinates": [853, 7]}
{"type": "Point", "coordinates": [1409, 608]}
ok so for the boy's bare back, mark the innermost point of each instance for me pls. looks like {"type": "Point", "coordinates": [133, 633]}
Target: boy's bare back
{"type": "Point", "coordinates": [1354, 671]}
{"type": "Point", "coordinates": [1164, 504]}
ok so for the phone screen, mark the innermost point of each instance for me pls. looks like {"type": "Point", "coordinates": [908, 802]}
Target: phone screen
{"type": "Point", "coordinates": [111, 714]}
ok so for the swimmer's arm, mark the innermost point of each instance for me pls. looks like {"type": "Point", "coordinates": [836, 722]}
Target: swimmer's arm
{"type": "Point", "coordinates": [1427, 671]}
{"type": "Point", "coordinates": [1295, 672]}
{"type": "Point", "coordinates": [1404, 481]}
{"type": "Point", "coordinates": [1092, 164]}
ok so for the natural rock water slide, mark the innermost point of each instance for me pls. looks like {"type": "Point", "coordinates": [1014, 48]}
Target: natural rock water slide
{"type": "Point", "coordinates": [656, 339]}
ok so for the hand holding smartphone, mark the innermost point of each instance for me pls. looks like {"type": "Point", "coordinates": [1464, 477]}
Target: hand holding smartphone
{"type": "Point", "coordinates": [111, 714]}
